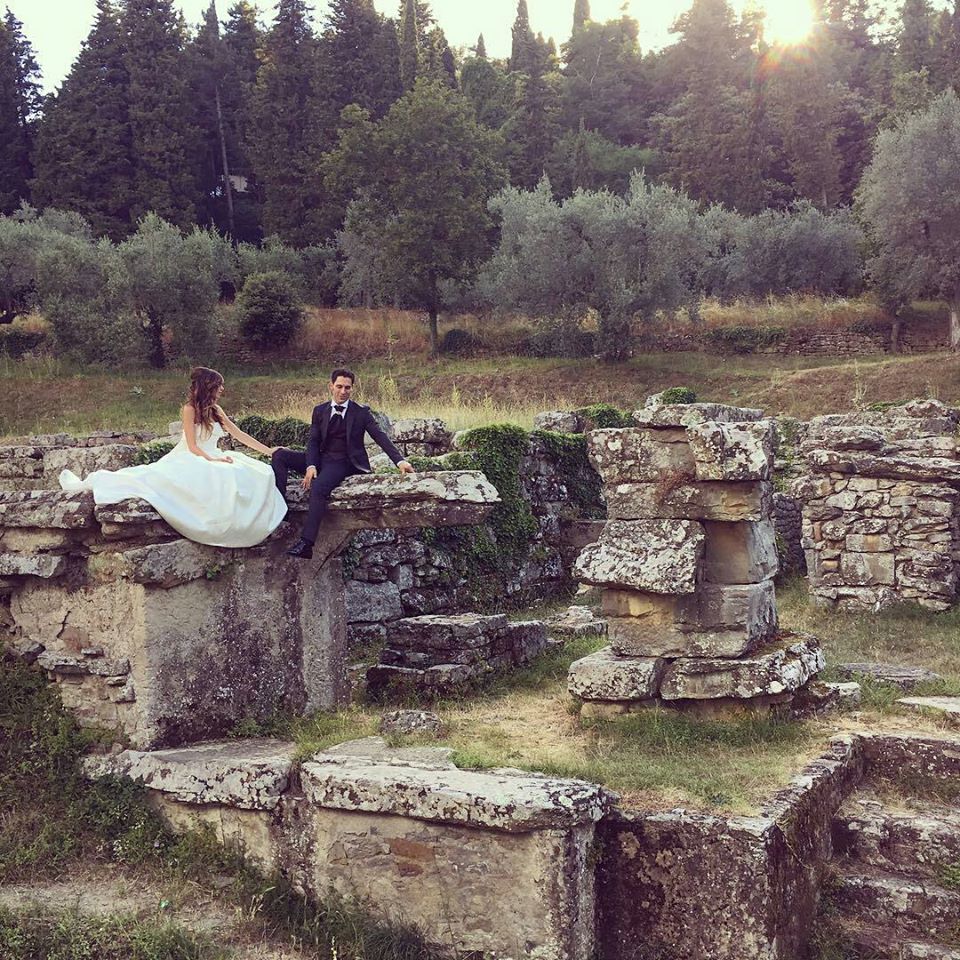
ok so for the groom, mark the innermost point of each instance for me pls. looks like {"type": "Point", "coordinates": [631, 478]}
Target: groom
{"type": "Point", "coordinates": [334, 452]}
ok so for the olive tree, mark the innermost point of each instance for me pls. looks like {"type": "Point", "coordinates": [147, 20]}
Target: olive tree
{"type": "Point", "coordinates": [910, 202]}
{"type": "Point", "coordinates": [623, 257]}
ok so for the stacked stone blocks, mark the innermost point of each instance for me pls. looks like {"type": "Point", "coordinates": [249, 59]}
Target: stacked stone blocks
{"type": "Point", "coordinates": [440, 655]}
{"type": "Point", "coordinates": [686, 562]}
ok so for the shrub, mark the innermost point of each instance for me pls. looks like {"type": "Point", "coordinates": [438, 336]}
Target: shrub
{"type": "Point", "coordinates": [16, 340]}
{"type": "Point", "coordinates": [743, 339]}
{"type": "Point", "coordinates": [268, 309]}
{"type": "Point", "coordinates": [605, 415]}
{"type": "Point", "coordinates": [678, 395]}
{"type": "Point", "coordinates": [457, 341]}
{"type": "Point", "coordinates": [152, 452]}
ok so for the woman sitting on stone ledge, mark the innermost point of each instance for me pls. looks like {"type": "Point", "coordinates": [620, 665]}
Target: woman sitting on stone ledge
{"type": "Point", "coordinates": [223, 501]}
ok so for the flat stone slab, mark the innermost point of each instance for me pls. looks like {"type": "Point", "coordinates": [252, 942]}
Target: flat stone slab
{"type": "Point", "coordinates": [710, 500]}
{"type": "Point", "coordinates": [632, 455]}
{"type": "Point", "coordinates": [894, 674]}
{"type": "Point", "coordinates": [656, 556]}
{"type": "Point", "coordinates": [249, 774]}
{"type": "Point", "coordinates": [443, 498]}
{"type": "Point", "coordinates": [687, 414]}
{"type": "Point", "coordinates": [46, 508]}
{"type": "Point", "coordinates": [606, 675]}
{"type": "Point", "coordinates": [781, 668]}
{"type": "Point", "coordinates": [948, 707]}
{"type": "Point", "coordinates": [43, 566]}
{"type": "Point", "coordinates": [576, 621]}
{"type": "Point", "coordinates": [489, 800]}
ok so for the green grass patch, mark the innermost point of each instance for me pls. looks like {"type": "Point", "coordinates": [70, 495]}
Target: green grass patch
{"type": "Point", "coordinates": [69, 936]}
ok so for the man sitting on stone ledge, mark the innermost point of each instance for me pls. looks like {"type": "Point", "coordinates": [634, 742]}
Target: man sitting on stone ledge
{"type": "Point", "coordinates": [334, 452]}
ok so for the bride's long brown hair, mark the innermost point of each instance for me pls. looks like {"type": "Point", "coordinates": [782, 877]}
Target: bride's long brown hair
{"type": "Point", "coordinates": [204, 384]}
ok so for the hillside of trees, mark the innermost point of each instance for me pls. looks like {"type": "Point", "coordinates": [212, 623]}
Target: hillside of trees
{"type": "Point", "coordinates": [372, 163]}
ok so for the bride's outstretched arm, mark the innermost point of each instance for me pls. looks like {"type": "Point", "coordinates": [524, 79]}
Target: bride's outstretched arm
{"type": "Point", "coordinates": [190, 435]}
{"type": "Point", "coordinates": [252, 442]}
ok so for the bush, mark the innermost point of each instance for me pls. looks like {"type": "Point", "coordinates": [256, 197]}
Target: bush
{"type": "Point", "coordinates": [678, 395]}
{"type": "Point", "coordinates": [268, 309]}
{"type": "Point", "coordinates": [457, 341]}
{"type": "Point", "coordinates": [16, 340]}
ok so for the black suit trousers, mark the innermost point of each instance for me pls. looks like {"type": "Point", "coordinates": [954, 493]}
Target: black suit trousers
{"type": "Point", "coordinates": [330, 474]}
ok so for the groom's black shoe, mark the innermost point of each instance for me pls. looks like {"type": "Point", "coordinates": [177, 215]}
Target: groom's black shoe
{"type": "Point", "coordinates": [302, 548]}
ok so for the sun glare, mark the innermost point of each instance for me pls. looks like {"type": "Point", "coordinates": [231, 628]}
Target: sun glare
{"type": "Point", "coordinates": [787, 21]}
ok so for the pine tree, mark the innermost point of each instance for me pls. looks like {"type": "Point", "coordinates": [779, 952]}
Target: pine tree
{"type": "Point", "coordinates": [20, 101]}
{"type": "Point", "coordinates": [480, 51]}
{"type": "Point", "coordinates": [289, 126]}
{"type": "Point", "coordinates": [533, 128]}
{"type": "Point", "coordinates": [163, 137]}
{"type": "Point", "coordinates": [83, 156]}
{"type": "Point", "coordinates": [522, 50]}
{"type": "Point", "coordinates": [581, 14]}
{"type": "Point", "coordinates": [409, 45]}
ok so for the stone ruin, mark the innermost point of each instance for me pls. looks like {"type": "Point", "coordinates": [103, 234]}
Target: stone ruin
{"type": "Point", "coordinates": [170, 641]}
{"type": "Point", "coordinates": [35, 463]}
{"type": "Point", "coordinates": [686, 562]}
{"type": "Point", "coordinates": [881, 507]}
{"type": "Point", "coordinates": [436, 656]}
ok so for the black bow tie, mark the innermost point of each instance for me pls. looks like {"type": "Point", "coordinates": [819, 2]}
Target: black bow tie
{"type": "Point", "coordinates": [339, 407]}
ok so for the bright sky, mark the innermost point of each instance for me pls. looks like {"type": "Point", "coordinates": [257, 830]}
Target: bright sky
{"type": "Point", "coordinates": [57, 27]}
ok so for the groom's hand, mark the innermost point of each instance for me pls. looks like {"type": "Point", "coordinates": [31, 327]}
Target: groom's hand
{"type": "Point", "coordinates": [405, 467]}
{"type": "Point", "coordinates": [308, 477]}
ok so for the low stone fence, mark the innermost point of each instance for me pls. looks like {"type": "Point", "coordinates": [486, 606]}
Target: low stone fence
{"type": "Point", "coordinates": [881, 507]}
{"type": "Point", "coordinates": [518, 865]}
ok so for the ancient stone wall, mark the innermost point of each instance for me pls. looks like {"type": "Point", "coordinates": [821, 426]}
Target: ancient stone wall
{"type": "Point", "coordinates": [881, 507]}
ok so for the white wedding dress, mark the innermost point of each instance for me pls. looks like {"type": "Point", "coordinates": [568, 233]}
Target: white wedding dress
{"type": "Point", "coordinates": [221, 504]}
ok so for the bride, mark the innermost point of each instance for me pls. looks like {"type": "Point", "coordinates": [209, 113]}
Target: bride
{"type": "Point", "coordinates": [207, 496]}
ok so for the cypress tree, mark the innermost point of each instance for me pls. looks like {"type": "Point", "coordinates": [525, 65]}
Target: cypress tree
{"type": "Point", "coordinates": [581, 13]}
{"type": "Point", "coordinates": [522, 48]}
{"type": "Point", "coordinates": [83, 155]}
{"type": "Point", "coordinates": [289, 126]}
{"type": "Point", "coordinates": [481, 49]}
{"type": "Point", "coordinates": [20, 101]}
{"type": "Point", "coordinates": [163, 136]}
{"type": "Point", "coordinates": [409, 45]}
{"type": "Point", "coordinates": [915, 42]}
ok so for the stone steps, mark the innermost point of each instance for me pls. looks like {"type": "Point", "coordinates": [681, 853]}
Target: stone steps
{"type": "Point", "coordinates": [920, 842]}
{"type": "Point", "coordinates": [909, 910]}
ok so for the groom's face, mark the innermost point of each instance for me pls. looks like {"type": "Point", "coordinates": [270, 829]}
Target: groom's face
{"type": "Point", "coordinates": [340, 389]}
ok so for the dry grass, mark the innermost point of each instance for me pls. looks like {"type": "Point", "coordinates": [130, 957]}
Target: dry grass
{"type": "Point", "coordinates": [795, 310]}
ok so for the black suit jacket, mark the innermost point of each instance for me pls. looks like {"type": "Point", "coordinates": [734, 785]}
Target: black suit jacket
{"type": "Point", "coordinates": [359, 421]}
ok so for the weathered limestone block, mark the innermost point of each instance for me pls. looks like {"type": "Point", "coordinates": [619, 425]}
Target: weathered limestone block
{"type": "Point", "coordinates": [894, 467]}
{"type": "Point", "coordinates": [411, 722]}
{"type": "Point", "coordinates": [40, 509]}
{"type": "Point", "coordinates": [605, 675]}
{"type": "Point", "coordinates": [492, 863]}
{"type": "Point", "coordinates": [486, 799]}
{"type": "Point", "coordinates": [743, 552]}
{"type": "Point", "coordinates": [781, 668]}
{"type": "Point", "coordinates": [659, 556]}
{"type": "Point", "coordinates": [689, 414]}
{"type": "Point", "coordinates": [446, 633]}
{"type": "Point", "coordinates": [372, 602]}
{"type": "Point", "coordinates": [630, 455]}
{"type": "Point", "coordinates": [894, 674]}
{"type": "Point", "coordinates": [750, 500]}
{"type": "Point", "coordinates": [85, 460]}
{"type": "Point", "coordinates": [733, 451]}
{"type": "Point", "coordinates": [444, 498]}
{"type": "Point", "coordinates": [947, 708]}
{"type": "Point", "coordinates": [576, 621]}
{"type": "Point", "coordinates": [750, 607]}
{"type": "Point", "coordinates": [162, 564]}
{"type": "Point", "coordinates": [432, 431]}
{"type": "Point", "coordinates": [867, 569]}
{"type": "Point", "coordinates": [44, 566]}
{"type": "Point", "coordinates": [251, 774]}
{"type": "Point", "coordinates": [21, 462]}
{"type": "Point", "coordinates": [559, 421]}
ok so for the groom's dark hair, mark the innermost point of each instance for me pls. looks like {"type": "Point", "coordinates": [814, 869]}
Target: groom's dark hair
{"type": "Point", "coordinates": [343, 372]}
